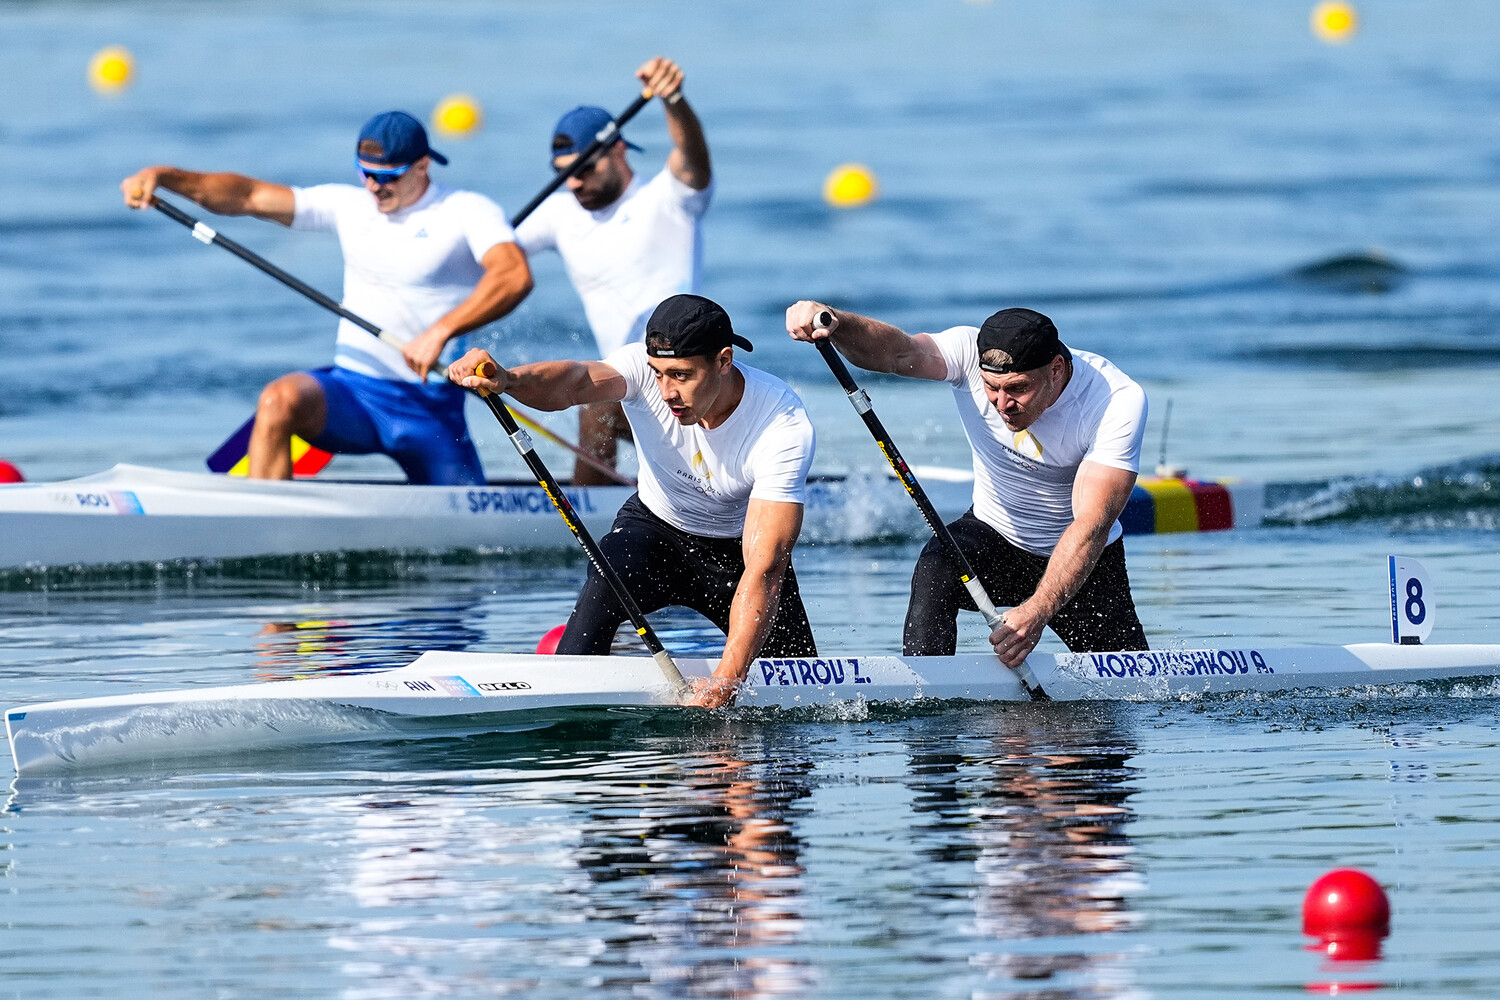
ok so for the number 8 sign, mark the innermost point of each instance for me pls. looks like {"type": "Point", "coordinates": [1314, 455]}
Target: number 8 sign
{"type": "Point", "coordinates": [1411, 602]}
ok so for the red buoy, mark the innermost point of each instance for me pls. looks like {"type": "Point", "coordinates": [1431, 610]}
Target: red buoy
{"type": "Point", "coordinates": [1346, 901]}
{"type": "Point", "coordinates": [549, 642]}
{"type": "Point", "coordinates": [9, 473]}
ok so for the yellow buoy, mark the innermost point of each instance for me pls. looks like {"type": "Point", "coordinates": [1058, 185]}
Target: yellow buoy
{"type": "Point", "coordinates": [111, 69]}
{"type": "Point", "coordinates": [850, 185]}
{"type": "Point", "coordinates": [457, 116]}
{"type": "Point", "coordinates": [1334, 21]}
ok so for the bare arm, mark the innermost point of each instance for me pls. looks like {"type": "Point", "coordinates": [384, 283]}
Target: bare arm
{"type": "Point", "coordinates": [689, 160]}
{"type": "Point", "coordinates": [221, 193]}
{"type": "Point", "coordinates": [869, 343]}
{"type": "Point", "coordinates": [771, 529]}
{"type": "Point", "coordinates": [544, 385]}
{"type": "Point", "coordinates": [506, 281]}
{"type": "Point", "coordinates": [1099, 496]}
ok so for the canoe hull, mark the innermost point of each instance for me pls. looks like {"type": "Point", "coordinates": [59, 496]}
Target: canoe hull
{"type": "Point", "coordinates": [447, 692]}
{"type": "Point", "coordinates": [132, 514]}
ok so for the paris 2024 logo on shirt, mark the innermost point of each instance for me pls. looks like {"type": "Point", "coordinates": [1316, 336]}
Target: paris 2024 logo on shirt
{"type": "Point", "coordinates": [701, 477]}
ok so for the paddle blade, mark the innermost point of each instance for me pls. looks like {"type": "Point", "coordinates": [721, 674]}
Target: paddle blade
{"type": "Point", "coordinates": [549, 642]}
{"type": "Point", "coordinates": [233, 456]}
{"type": "Point", "coordinates": [307, 460]}
{"type": "Point", "coordinates": [233, 451]}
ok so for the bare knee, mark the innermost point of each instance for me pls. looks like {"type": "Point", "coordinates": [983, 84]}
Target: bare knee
{"type": "Point", "coordinates": [294, 402]}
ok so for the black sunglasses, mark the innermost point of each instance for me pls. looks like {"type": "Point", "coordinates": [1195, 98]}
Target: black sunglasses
{"type": "Point", "coordinates": [588, 167]}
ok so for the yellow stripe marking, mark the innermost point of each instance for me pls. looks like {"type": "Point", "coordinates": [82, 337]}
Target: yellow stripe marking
{"type": "Point", "coordinates": [1176, 510]}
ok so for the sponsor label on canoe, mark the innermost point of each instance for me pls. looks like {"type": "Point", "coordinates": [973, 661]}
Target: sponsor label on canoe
{"type": "Point", "coordinates": [812, 672]}
{"type": "Point", "coordinates": [99, 501]}
{"type": "Point", "coordinates": [1168, 663]}
{"type": "Point", "coordinates": [452, 687]}
{"type": "Point", "coordinates": [523, 500]}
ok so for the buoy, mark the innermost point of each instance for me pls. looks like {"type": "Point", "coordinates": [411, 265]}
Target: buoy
{"type": "Point", "coordinates": [1347, 911]}
{"type": "Point", "coordinates": [1334, 21]}
{"type": "Point", "coordinates": [850, 185]}
{"type": "Point", "coordinates": [9, 473]}
{"type": "Point", "coordinates": [549, 642]}
{"type": "Point", "coordinates": [111, 69]}
{"type": "Point", "coordinates": [457, 116]}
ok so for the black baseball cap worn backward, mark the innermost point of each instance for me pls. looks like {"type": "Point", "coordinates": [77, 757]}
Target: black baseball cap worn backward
{"type": "Point", "coordinates": [1024, 338]}
{"type": "Point", "coordinates": [685, 326]}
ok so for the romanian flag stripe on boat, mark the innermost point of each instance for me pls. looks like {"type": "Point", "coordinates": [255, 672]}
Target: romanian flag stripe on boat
{"type": "Point", "coordinates": [233, 456]}
{"type": "Point", "coordinates": [1164, 506]}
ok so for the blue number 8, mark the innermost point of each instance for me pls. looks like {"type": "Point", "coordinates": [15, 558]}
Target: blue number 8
{"type": "Point", "coordinates": [1416, 611]}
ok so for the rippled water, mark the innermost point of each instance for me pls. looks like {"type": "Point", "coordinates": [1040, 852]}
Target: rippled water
{"type": "Point", "coordinates": [1292, 243]}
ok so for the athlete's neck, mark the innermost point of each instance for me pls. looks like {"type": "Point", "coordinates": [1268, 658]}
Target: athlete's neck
{"type": "Point", "coordinates": [729, 397]}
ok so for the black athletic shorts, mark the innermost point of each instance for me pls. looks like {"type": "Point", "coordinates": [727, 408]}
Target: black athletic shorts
{"type": "Point", "coordinates": [1100, 618]}
{"type": "Point", "coordinates": [664, 566]}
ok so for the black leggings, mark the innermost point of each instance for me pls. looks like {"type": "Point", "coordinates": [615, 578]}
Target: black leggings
{"type": "Point", "coordinates": [661, 566]}
{"type": "Point", "coordinates": [1100, 618]}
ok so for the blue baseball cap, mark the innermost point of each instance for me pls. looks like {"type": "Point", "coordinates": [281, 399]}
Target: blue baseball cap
{"type": "Point", "coordinates": [577, 130]}
{"type": "Point", "coordinates": [394, 139]}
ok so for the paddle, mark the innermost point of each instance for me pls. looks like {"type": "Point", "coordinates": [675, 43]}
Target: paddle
{"type": "Point", "coordinates": [228, 457]}
{"type": "Point", "coordinates": [861, 403]}
{"type": "Point", "coordinates": [522, 441]}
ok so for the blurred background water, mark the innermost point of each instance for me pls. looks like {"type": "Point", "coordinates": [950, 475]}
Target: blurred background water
{"type": "Point", "coordinates": [1290, 241]}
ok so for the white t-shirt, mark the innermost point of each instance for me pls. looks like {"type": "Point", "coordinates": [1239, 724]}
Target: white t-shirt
{"type": "Point", "coordinates": [403, 271]}
{"type": "Point", "coordinates": [1023, 480]}
{"type": "Point", "coordinates": [700, 480]}
{"type": "Point", "coordinates": [625, 258]}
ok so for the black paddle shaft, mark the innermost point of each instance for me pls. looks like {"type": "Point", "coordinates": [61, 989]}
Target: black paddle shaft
{"type": "Point", "coordinates": [554, 491]}
{"type": "Point", "coordinates": [605, 136]}
{"type": "Point", "coordinates": [860, 400]}
{"type": "Point", "coordinates": [861, 403]}
{"type": "Point", "coordinates": [210, 236]}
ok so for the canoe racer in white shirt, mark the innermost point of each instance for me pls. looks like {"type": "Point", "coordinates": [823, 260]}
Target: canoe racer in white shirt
{"type": "Point", "coordinates": [724, 454]}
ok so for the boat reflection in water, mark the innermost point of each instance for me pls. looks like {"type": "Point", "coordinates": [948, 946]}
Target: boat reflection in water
{"type": "Point", "coordinates": [707, 873]}
{"type": "Point", "coordinates": [662, 859]}
{"type": "Point", "coordinates": [1035, 835]}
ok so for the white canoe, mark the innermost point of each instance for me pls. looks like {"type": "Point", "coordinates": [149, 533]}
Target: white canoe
{"type": "Point", "coordinates": [447, 693]}
{"type": "Point", "coordinates": [134, 514]}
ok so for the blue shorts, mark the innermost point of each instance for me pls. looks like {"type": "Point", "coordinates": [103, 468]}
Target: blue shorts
{"type": "Point", "coordinates": [420, 426]}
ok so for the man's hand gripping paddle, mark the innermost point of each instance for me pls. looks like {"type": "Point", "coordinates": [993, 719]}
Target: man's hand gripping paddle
{"type": "Point", "coordinates": [861, 403]}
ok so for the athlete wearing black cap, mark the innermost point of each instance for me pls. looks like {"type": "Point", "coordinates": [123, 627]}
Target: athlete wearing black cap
{"type": "Point", "coordinates": [724, 453]}
{"type": "Point", "coordinates": [1056, 435]}
{"type": "Point", "coordinates": [423, 262]}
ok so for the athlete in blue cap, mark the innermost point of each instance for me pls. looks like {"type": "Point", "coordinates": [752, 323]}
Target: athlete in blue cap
{"type": "Point", "coordinates": [423, 262]}
{"type": "Point", "coordinates": [627, 242]}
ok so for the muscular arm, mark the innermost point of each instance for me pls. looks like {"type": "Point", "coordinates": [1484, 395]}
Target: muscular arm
{"type": "Point", "coordinates": [771, 529]}
{"type": "Point", "coordinates": [1099, 496]}
{"type": "Point", "coordinates": [506, 281]}
{"type": "Point", "coordinates": [220, 193]}
{"type": "Point", "coordinates": [689, 160]}
{"type": "Point", "coordinates": [869, 343]}
{"type": "Point", "coordinates": [544, 385]}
